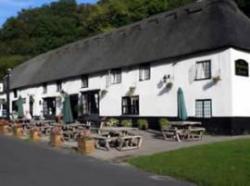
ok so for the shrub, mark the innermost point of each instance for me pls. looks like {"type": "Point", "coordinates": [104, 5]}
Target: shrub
{"type": "Point", "coordinates": [142, 124]}
{"type": "Point", "coordinates": [126, 123]}
{"type": "Point", "coordinates": [112, 122]}
{"type": "Point", "coordinates": [163, 122]}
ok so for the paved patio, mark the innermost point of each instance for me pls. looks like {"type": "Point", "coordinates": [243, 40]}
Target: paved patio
{"type": "Point", "coordinates": [153, 142]}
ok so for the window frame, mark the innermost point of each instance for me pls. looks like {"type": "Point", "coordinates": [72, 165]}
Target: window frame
{"type": "Point", "coordinates": [129, 107]}
{"type": "Point", "coordinates": [203, 108]}
{"type": "Point", "coordinates": [142, 69]}
{"type": "Point", "coordinates": [84, 78]}
{"type": "Point", "coordinates": [45, 88]}
{"type": "Point", "coordinates": [59, 86]}
{"type": "Point", "coordinates": [15, 93]}
{"type": "Point", "coordinates": [116, 72]}
{"type": "Point", "coordinates": [210, 70]}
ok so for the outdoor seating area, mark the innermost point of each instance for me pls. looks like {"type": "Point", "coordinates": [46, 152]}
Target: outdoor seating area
{"type": "Point", "coordinates": [183, 130]}
{"type": "Point", "coordinates": [109, 140]}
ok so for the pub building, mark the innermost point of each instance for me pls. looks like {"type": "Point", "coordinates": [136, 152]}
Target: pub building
{"type": "Point", "coordinates": [135, 71]}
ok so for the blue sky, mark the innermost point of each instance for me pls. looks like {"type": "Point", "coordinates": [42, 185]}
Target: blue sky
{"type": "Point", "coordinates": [10, 8]}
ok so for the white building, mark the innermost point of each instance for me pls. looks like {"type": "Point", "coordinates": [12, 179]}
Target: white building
{"type": "Point", "coordinates": [135, 72]}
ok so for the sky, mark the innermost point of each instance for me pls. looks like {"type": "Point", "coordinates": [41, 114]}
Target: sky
{"type": "Point", "coordinates": [10, 8]}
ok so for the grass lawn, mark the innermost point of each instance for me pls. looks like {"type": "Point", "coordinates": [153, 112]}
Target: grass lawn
{"type": "Point", "coordinates": [222, 164]}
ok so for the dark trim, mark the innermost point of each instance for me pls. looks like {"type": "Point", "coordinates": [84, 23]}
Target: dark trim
{"type": "Point", "coordinates": [214, 125]}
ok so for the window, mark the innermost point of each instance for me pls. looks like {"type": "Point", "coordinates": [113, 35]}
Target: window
{"type": "Point", "coordinates": [85, 81]}
{"type": "Point", "coordinates": [130, 105]}
{"type": "Point", "coordinates": [241, 68]}
{"type": "Point", "coordinates": [203, 70]}
{"type": "Point", "coordinates": [116, 76]}
{"type": "Point", "coordinates": [15, 93]}
{"type": "Point", "coordinates": [203, 108]}
{"type": "Point", "coordinates": [44, 88]}
{"type": "Point", "coordinates": [58, 86]}
{"type": "Point", "coordinates": [144, 72]}
{"type": "Point", "coordinates": [90, 103]}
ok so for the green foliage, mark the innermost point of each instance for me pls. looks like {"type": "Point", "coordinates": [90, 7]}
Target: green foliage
{"type": "Point", "coordinates": [10, 62]}
{"type": "Point", "coordinates": [142, 124]}
{"type": "Point", "coordinates": [126, 123]}
{"type": "Point", "coordinates": [112, 122]}
{"type": "Point", "coordinates": [223, 164]}
{"type": "Point", "coordinates": [163, 122]}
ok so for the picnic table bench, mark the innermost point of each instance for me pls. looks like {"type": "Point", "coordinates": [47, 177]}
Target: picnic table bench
{"type": "Point", "coordinates": [103, 142]}
{"type": "Point", "coordinates": [178, 130]}
{"type": "Point", "coordinates": [129, 142]}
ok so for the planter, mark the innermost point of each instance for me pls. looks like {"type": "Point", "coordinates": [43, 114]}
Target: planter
{"type": "Point", "coordinates": [35, 135]}
{"type": "Point", "coordinates": [86, 145]}
{"type": "Point", "coordinates": [4, 129]}
{"type": "Point", "coordinates": [56, 140]}
{"type": "Point", "coordinates": [18, 131]}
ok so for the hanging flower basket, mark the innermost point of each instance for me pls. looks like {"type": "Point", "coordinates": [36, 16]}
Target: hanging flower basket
{"type": "Point", "coordinates": [56, 137]}
{"type": "Point", "coordinates": [131, 91]}
{"type": "Point", "coordinates": [35, 134]}
{"type": "Point", "coordinates": [216, 79]}
{"type": "Point", "coordinates": [18, 130]}
{"type": "Point", "coordinates": [103, 92]}
{"type": "Point", "coordinates": [169, 85]}
{"type": "Point", "coordinates": [86, 144]}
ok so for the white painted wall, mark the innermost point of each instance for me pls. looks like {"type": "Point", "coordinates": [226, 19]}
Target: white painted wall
{"type": "Point", "coordinates": [240, 86]}
{"type": "Point", "coordinates": [154, 100]}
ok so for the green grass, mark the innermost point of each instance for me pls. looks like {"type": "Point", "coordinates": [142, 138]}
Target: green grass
{"type": "Point", "coordinates": [222, 164]}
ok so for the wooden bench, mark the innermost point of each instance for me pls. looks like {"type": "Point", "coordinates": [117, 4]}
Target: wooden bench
{"type": "Point", "coordinates": [195, 133]}
{"type": "Point", "coordinates": [103, 142]}
{"type": "Point", "coordinates": [170, 133]}
{"type": "Point", "coordinates": [129, 142]}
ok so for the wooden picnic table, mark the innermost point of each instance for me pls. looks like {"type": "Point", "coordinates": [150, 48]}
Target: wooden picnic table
{"type": "Point", "coordinates": [117, 129]}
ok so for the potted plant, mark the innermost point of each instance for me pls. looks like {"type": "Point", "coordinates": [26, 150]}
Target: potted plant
{"type": "Point", "coordinates": [112, 122]}
{"type": "Point", "coordinates": [86, 144]}
{"type": "Point", "coordinates": [4, 127]}
{"type": "Point", "coordinates": [164, 123]}
{"type": "Point", "coordinates": [35, 134]}
{"type": "Point", "coordinates": [142, 124]}
{"type": "Point", "coordinates": [18, 130]}
{"type": "Point", "coordinates": [126, 123]}
{"type": "Point", "coordinates": [56, 137]}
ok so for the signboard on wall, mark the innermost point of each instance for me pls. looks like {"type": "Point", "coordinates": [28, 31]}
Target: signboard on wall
{"type": "Point", "coordinates": [241, 68]}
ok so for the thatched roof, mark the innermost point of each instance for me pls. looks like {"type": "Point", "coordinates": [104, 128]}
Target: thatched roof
{"type": "Point", "coordinates": [198, 27]}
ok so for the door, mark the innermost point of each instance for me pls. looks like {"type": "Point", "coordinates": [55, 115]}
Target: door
{"type": "Point", "coordinates": [74, 105]}
{"type": "Point", "coordinates": [49, 107]}
{"type": "Point", "coordinates": [31, 104]}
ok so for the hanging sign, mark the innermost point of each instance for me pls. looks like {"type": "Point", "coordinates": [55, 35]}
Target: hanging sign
{"type": "Point", "coordinates": [241, 68]}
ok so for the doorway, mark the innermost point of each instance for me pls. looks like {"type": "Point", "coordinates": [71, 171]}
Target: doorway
{"type": "Point", "coordinates": [74, 105]}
